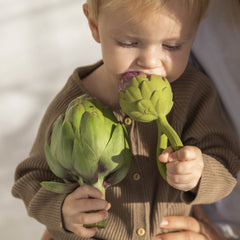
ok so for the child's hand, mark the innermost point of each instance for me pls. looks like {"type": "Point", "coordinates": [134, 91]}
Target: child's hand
{"type": "Point", "coordinates": [76, 206]}
{"type": "Point", "coordinates": [198, 227]}
{"type": "Point", "coordinates": [184, 167]}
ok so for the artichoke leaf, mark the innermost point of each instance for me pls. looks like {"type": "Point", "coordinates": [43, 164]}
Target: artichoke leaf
{"type": "Point", "coordinates": [146, 90]}
{"type": "Point", "coordinates": [58, 187]}
{"type": "Point", "coordinates": [85, 161]}
{"type": "Point", "coordinates": [56, 135]}
{"type": "Point", "coordinates": [111, 156]}
{"type": "Point", "coordinates": [54, 165]}
{"type": "Point", "coordinates": [76, 116]}
{"type": "Point", "coordinates": [109, 118]}
{"type": "Point", "coordinates": [133, 93]}
{"type": "Point", "coordinates": [137, 116]}
{"type": "Point", "coordinates": [121, 171]}
{"type": "Point", "coordinates": [67, 144]}
{"type": "Point", "coordinates": [145, 106]}
{"type": "Point", "coordinates": [93, 133]}
{"type": "Point", "coordinates": [117, 153]}
{"type": "Point", "coordinates": [163, 106]}
{"type": "Point", "coordinates": [154, 98]}
{"type": "Point", "coordinates": [134, 82]}
{"type": "Point", "coordinates": [156, 83]}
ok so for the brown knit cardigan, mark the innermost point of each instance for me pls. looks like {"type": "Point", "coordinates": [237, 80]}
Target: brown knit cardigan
{"type": "Point", "coordinates": [140, 203]}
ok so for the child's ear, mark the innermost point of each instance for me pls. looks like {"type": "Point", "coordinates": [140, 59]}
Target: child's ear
{"type": "Point", "coordinates": [92, 24]}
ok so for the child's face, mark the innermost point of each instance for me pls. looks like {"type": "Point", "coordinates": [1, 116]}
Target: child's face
{"type": "Point", "coordinates": [159, 44]}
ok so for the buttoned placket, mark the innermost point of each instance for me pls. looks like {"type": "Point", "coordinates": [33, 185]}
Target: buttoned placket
{"type": "Point", "coordinates": [140, 228]}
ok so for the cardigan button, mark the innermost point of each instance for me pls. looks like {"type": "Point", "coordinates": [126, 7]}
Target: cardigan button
{"type": "Point", "coordinates": [141, 231]}
{"type": "Point", "coordinates": [128, 121]}
{"type": "Point", "coordinates": [136, 176]}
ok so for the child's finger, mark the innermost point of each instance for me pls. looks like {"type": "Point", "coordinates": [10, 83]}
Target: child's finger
{"type": "Point", "coordinates": [87, 192]}
{"type": "Point", "coordinates": [185, 154]}
{"type": "Point", "coordinates": [164, 156]}
{"type": "Point", "coordinates": [183, 235]}
{"type": "Point", "coordinates": [181, 167]}
{"type": "Point", "coordinates": [180, 223]}
{"type": "Point", "coordinates": [188, 226]}
{"type": "Point", "coordinates": [84, 232]}
{"type": "Point", "coordinates": [182, 182]}
{"type": "Point", "coordinates": [86, 205]}
{"type": "Point", "coordinates": [89, 218]}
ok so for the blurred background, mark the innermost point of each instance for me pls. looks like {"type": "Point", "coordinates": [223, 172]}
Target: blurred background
{"type": "Point", "coordinates": [41, 43]}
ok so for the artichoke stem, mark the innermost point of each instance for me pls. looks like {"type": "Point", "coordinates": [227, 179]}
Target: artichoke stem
{"type": "Point", "coordinates": [80, 181]}
{"type": "Point", "coordinates": [161, 145]}
{"type": "Point", "coordinates": [162, 142]}
{"type": "Point", "coordinates": [166, 128]}
{"type": "Point", "coordinates": [98, 185]}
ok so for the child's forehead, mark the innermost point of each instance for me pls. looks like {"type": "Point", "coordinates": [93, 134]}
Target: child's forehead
{"type": "Point", "coordinates": [133, 8]}
{"type": "Point", "coordinates": [140, 10]}
{"type": "Point", "coordinates": [163, 25]}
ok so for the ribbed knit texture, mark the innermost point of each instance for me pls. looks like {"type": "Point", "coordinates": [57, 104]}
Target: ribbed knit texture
{"type": "Point", "coordinates": [198, 118]}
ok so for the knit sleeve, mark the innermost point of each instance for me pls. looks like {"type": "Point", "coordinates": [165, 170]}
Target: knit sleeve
{"type": "Point", "coordinates": [43, 205]}
{"type": "Point", "coordinates": [201, 121]}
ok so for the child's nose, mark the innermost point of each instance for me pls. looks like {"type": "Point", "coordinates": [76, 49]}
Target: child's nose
{"type": "Point", "coordinates": [149, 59]}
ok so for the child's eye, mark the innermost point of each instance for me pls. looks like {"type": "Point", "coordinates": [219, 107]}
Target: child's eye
{"type": "Point", "coordinates": [171, 47]}
{"type": "Point", "coordinates": [128, 44]}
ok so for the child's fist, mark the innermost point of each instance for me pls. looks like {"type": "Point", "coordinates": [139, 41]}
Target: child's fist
{"type": "Point", "coordinates": [77, 210]}
{"type": "Point", "coordinates": [184, 167]}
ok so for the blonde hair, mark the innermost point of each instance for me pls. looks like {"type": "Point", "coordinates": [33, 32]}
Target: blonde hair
{"type": "Point", "coordinates": [198, 8]}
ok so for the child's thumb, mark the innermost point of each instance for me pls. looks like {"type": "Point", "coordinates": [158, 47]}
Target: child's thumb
{"type": "Point", "coordinates": [164, 156]}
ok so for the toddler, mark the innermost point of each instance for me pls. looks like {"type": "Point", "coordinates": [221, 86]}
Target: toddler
{"type": "Point", "coordinates": [150, 37]}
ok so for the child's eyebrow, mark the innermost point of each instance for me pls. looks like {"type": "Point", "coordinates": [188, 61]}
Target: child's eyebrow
{"type": "Point", "coordinates": [180, 38]}
{"type": "Point", "coordinates": [137, 36]}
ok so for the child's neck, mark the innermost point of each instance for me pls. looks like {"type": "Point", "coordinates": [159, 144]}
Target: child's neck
{"type": "Point", "coordinates": [98, 86]}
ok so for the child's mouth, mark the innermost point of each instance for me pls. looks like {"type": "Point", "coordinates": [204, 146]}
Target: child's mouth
{"type": "Point", "coordinates": [129, 75]}
{"type": "Point", "coordinates": [126, 77]}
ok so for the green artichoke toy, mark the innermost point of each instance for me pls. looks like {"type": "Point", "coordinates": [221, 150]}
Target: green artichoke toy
{"type": "Point", "coordinates": [87, 146]}
{"type": "Point", "coordinates": [146, 98]}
